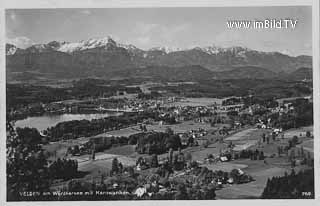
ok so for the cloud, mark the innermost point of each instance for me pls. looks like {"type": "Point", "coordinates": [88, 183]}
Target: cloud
{"type": "Point", "coordinates": [144, 40]}
{"type": "Point", "coordinates": [20, 42]}
{"type": "Point", "coordinates": [161, 30]}
{"type": "Point", "coordinates": [145, 28]}
{"type": "Point", "coordinates": [146, 33]}
{"type": "Point", "coordinates": [230, 38]}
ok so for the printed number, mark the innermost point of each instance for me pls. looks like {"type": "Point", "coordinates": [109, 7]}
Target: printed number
{"type": "Point", "coordinates": [306, 193]}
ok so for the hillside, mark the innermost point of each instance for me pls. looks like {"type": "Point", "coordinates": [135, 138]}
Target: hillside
{"type": "Point", "coordinates": [186, 73]}
{"type": "Point", "coordinates": [301, 74]}
{"type": "Point", "coordinates": [246, 72]}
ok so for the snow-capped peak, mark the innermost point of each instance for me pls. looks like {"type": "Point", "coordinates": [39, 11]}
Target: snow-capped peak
{"type": "Point", "coordinates": [88, 44]}
{"type": "Point", "coordinates": [165, 49]}
{"type": "Point", "coordinates": [212, 50]}
{"type": "Point", "coordinates": [129, 47]}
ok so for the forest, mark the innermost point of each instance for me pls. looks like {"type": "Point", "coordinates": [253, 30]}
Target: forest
{"type": "Point", "coordinates": [291, 186]}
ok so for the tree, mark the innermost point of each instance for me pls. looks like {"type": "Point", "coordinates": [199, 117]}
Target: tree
{"type": "Point", "coordinates": [273, 136]}
{"type": "Point", "coordinates": [26, 163]}
{"type": "Point", "coordinates": [130, 171]}
{"type": "Point", "coordinates": [308, 134]}
{"type": "Point", "coordinates": [295, 141]}
{"type": "Point", "coordinates": [235, 175]}
{"type": "Point", "coordinates": [279, 151]}
{"type": "Point", "coordinates": [64, 169]}
{"type": "Point", "coordinates": [93, 155]}
{"type": "Point", "coordinates": [157, 142]}
{"type": "Point", "coordinates": [154, 161]}
{"type": "Point", "coordinates": [120, 167]}
{"type": "Point", "coordinates": [169, 131]}
{"type": "Point", "coordinates": [76, 150]}
{"type": "Point", "coordinates": [190, 141]}
{"type": "Point", "coordinates": [209, 193]}
{"type": "Point", "coordinates": [292, 155]}
{"type": "Point", "coordinates": [287, 186]}
{"type": "Point", "coordinates": [188, 157]}
{"type": "Point", "coordinates": [115, 166]}
{"type": "Point", "coordinates": [261, 155]}
{"type": "Point", "coordinates": [181, 192]}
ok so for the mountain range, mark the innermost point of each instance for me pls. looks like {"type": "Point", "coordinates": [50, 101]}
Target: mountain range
{"type": "Point", "coordinates": [105, 57]}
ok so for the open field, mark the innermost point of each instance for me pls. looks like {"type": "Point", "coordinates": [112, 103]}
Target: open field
{"type": "Point", "coordinates": [58, 149]}
{"type": "Point", "coordinates": [244, 146]}
{"type": "Point", "coordinates": [181, 127]}
{"type": "Point", "coordinates": [125, 132]}
{"type": "Point", "coordinates": [126, 150]}
{"type": "Point", "coordinates": [200, 153]}
{"type": "Point", "coordinates": [298, 132]}
{"type": "Point", "coordinates": [248, 134]}
{"type": "Point", "coordinates": [102, 163]}
{"type": "Point", "coordinates": [260, 172]}
{"type": "Point", "coordinates": [252, 189]}
{"type": "Point", "coordinates": [246, 138]}
{"type": "Point", "coordinates": [308, 145]}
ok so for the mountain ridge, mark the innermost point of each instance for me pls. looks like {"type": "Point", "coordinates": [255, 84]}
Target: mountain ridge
{"type": "Point", "coordinates": [70, 47]}
{"type": "Point", "coordinates": [104, 56]}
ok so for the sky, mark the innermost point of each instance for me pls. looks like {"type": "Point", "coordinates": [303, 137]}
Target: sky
{"type": "Point", "coordinates": [173, 27]}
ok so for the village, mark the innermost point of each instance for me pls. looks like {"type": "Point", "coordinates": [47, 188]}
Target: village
{"type": "Point", "coordinates": [226, 150]}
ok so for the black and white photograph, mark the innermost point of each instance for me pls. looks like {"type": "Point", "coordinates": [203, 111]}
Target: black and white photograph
{"type": "Point", "coordinates": [159, 103]}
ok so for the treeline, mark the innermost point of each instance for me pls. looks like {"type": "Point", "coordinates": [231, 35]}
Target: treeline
{"type": "Point", "coordinates": [262, 88]}
{"type": "Point", "coordinates": [63, 169]}
{"type": "Point", "coordinates": [252, 154]}
{"type": "Point", "coordinates": [96, 87]}
{"type": "Point", "coordinates": [19, 95]}
{"type": "Point", "coordinates": [251, 100]}
{"type": "Point", "coordinates": [78, 128]}
{"type": "Point", "coordinates": [293, 186]}
{"type": "Point", "coordinates": [155, 142]}
{"type": "Point", "coordinates": [302, 115]}
{"type": "Point", "coordinates": [267, 102]}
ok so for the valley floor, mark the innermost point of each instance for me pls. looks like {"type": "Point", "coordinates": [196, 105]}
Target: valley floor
{"type": "Point", "coordinates": [260, 170]}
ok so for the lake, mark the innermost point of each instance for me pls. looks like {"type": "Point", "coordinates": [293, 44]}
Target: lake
{"type": "Point", "coordinates": [45, 121]}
